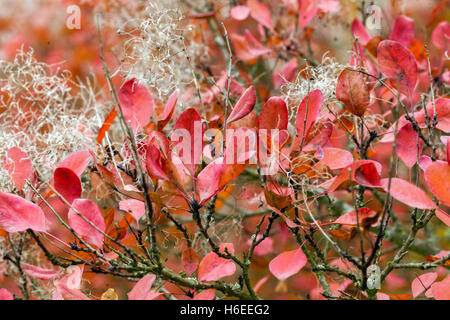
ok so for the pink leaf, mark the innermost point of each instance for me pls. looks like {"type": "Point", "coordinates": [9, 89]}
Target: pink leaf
{"type": "Point", "coordinates": [441, 290]}
{"type": "Point", "coordinates": [406, 146]}
{"type": "Point", "coordinates": [336, 158]}
{"type": "Point", "coordinates": [442, 112]}
{"type": "Point", "coordinates": [403, 30]}
{"type": "Point", "coordinates": [213, 268]}
{"type": "Point", "coordinates": [189, 261]}
{"type": "Point", "coordinates": [399, 65]}
{"type": "Point", "coordinates": [240, 12]}
{"type": "Point", "coordinates": [307, 10]}
{"type": "Point", "coordinates": [308, 110]}
{"type": "Point", "coordinates": [441, 35]}
{"type": "Point", "coordinates": [85, 230]}
{"type": "Point", "coordinates": [18, 165]}
{"type": "Point", "coordinates": [18, 214]}
{"type": "Point", "coordinates": [40, 273]}
{"type": "Point", "coordinates": [244, 105]}
{"type": "Point", "coordinates": [408, 194]}
{"type": "Point", "coordinates": [422, 282]}
{"type": "Point", "coordinates": [208, 294]}
{"type": "Point", "coordinates": [77, 161]}
{"type": "Point", "coordinates": [137, 104]}
{"type": "Point", "coordinates": [360, 32]}
{"type": "Point", "coordinates": [255, 47]}
{"type": "Point", "coordinates": [261, 13]}
{"type": "Point", "coordinates": [5, 294]}
{"type": "Point", "coordinates": [135, 207]}
{"type": "Point", "coordinates": [285, 73]}
{"type": "Point", "coordinates": [141, 290]}
{"type": "Point", "coordinates": [67, 183]}
{"type": "Point", "coordinates": [287, 264]}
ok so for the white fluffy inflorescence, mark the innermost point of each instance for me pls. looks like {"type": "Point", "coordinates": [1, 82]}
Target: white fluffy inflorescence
{"type": "Point", "coordinates": [156, 52]}
{"type": "Point", "coordinates": [323, 77]}
{"type": "Point", "coordinates": [40, 114]}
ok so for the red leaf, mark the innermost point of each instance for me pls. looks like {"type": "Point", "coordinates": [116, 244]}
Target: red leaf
{"type": "Point", "coordinates": [240, 12]}
{"type": "Point", "coordinates": [91, 212]}
{"type": "Point", "coordinates": [67, 183]}
{"type": "Point", "coordinates": [18, 165]}
{"type": "Point", "coordinates": [309, 109]}
{"type": "Point", "coordinates": [285, 73]}
{"type": "Point", "coordinates": [307, 9]}
{"type": "Point", "coordinates": [190, 129]}
{"type": "Point", "coordinates": [18, 214]}
{"type": "Point", "coordinates": [422, 282]}
{"type": "Point", "coordinates": [366, 218]}
{"type": "Point", "coordinates": [335, 158]}
{"type": "Point", "coordinates": [134, 207]}
{"type": "Point", "coordinates": [154, 164]}
{"type": "Point", "coordinates": [215, 176]}
{"type": "Point", "coordinates": [244, 105]}
{"type": "Point", "coordinates": [353, 91]}
{"type": "Point", "coordinates": [364, 172]}
{"type": "Point", "coordinates": [406, 146]}
{"type": "Point", "coordinates": [261, 13]}
{"type": "Point", "coordinates": [168, 110]}
{"type": "Point", "coordinates": [441, 35]}
{"type": "Point", "coordinates": [77, 161]}
{"type": "Point", "coordinates": [287, 264]}
{"type": "Point", "coordinates": [437, 176]}
{"type": "Point", "coordinates": [399, 65]}
{"type": "Point", "coordinates": [359, 31]}
{"type": "Point", "coordinates": [141, 290]}
{"type": "Point", "coordinates": [137, 104]}
{"type": "Point", "coordinates": [274, 115]}
{"type": "Point", "coordinates": [212, 267]}
{"type": "Point", "coordinates": [403, 30]}
{"type": "Point", "coordinates": [189, 261]}
{"type": "Point", "coordinates": [40, 273]}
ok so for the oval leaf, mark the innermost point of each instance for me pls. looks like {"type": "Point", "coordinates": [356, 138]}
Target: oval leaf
{"type": "Point", "coordinates": [287, 264]}
{"type": "Point", "coordinates": [84, 229]}
{"type": "Point", "coordinates": [18, 214]}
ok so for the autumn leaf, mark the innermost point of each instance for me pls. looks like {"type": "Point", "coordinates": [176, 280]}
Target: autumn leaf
{"type": "Point", "coordinates": [18, 214]}
{"type": "Point", "coordinates": [287, 264]}
{"type": "Point", "coordinates": [398, 64]}
{"type": "Point", "coordinates": [137, 104]}
{"type": "Point", "coordinates": [353, 91]}
{"type": "Point", "coordinates": [83, 228]}
{"type": "Point", "coordinates": [189, 261]}
{"type": "Point", "coordinates": [18, 165]}
{"type": "Point", "coordinates": [212, 267]}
